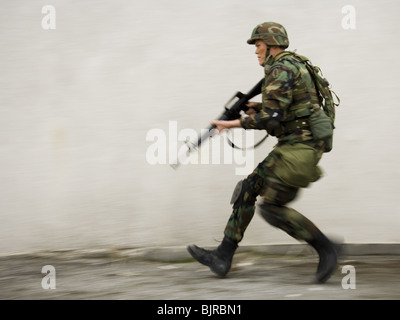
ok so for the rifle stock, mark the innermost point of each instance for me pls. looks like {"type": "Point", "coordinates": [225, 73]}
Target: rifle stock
{"type": "Point", "coordinates": [231, 113]}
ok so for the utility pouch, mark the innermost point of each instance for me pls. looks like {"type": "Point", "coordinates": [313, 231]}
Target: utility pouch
{"type": "Point", "coordinates": [322, 128]}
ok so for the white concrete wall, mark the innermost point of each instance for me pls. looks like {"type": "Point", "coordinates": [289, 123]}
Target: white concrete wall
{"type": "Point", "coordinates": [77, 104]}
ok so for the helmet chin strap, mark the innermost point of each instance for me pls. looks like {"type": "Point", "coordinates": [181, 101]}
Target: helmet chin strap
{"type": "Point", "coordinates": [268, 59]}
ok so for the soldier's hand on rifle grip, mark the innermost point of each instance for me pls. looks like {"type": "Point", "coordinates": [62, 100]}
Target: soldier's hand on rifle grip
{"type": "Point", "coordinates": [253, 107]}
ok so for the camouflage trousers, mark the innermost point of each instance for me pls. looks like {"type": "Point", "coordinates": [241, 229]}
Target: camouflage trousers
{"type": "Point", "coordinates": [275, 194]}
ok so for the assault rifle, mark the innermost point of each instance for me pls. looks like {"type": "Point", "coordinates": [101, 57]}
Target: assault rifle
{"type": "Point", "coordinates": [232, 112]}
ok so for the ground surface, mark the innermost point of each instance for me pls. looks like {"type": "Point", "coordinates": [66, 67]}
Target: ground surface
{"type": "Point", "coordinates": [254, 276]}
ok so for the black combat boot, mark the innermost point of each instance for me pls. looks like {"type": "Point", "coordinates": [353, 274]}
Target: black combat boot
{"type": "Point", "coordinates": [218, 260]}
{"type": "Point", "coordinates": [328, 253]}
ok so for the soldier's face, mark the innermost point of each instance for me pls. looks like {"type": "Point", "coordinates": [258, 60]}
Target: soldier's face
{"type": "Point", "coordinates": [261, 51]}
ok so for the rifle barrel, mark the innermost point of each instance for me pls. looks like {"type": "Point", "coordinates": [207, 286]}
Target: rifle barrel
{"type": "Point", "coordinates": [229, 114]}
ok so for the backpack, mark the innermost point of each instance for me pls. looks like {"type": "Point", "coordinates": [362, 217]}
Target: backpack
{"type": "Point", "coordinates": [321, 120]}
{"type": "Point", "coordinates": [325, 94]}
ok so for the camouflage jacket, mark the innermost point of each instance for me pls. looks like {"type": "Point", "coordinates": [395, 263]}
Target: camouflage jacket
{"type": "Point", "coordinates": [289, 89]}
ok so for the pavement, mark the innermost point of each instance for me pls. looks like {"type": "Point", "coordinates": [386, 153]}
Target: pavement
{"type": "Point", "coordinates": [263, 272]}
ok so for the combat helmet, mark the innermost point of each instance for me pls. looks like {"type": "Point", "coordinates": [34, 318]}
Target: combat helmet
{"type": "Point", "coordinates": [272, 33]}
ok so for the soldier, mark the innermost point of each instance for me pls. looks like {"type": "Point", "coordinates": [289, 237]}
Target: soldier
{"type": "Point", "coordinates": [288, 97]}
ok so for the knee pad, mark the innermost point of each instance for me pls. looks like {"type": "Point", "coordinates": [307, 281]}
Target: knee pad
{"type": "Point", "coordinates": [237, 192]}
{"type": "Point", "coordinates": [246, 191]}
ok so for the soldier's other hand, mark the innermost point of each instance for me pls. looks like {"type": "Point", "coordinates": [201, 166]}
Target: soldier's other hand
{"type": "Point", "coordinates": [224, 124]}
{"type": "Point", "coordinates": [253, 106]}
{"type": "Point", "coordinates": [251, 111]}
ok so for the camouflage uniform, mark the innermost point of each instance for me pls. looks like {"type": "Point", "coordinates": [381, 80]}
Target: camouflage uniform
{"type": "Point", "coordinates": [289, 90]}
{"type": "Point", "coordinates": [288, 98]}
